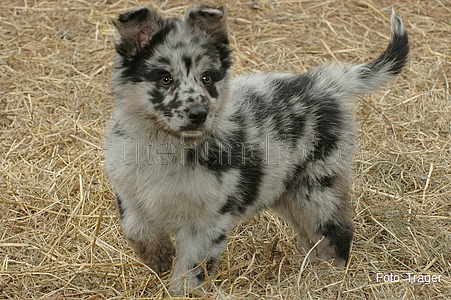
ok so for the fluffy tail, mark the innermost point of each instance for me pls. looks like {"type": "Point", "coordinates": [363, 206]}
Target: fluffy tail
{"type": "Point", "coordinates": [378, 73]}
{"type": "Point", "coordinates": [366, 78]}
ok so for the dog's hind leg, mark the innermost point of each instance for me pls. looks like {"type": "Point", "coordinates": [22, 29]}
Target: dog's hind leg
{"type": "Point", "coordinates": [322, 211]}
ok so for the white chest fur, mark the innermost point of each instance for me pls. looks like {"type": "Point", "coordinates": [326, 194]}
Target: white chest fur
{"type": "Point", "coordinates": [157, 182]}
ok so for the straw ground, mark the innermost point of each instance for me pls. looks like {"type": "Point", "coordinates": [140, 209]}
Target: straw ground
{"type": "Point", "coordinates": [59, 231]}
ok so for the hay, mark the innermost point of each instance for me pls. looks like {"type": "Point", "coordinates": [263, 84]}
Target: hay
{"type": "Point", "coordinates": [59, 232]}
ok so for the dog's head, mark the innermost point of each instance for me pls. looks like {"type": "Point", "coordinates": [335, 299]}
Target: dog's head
{"type": "Point", "coordinates": [173, 72]}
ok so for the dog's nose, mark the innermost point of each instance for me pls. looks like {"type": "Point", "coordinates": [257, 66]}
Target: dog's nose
{"type": "Point", "coordinates": [197, 115]}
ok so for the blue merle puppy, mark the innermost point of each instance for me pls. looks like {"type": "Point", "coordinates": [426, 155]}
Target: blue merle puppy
{"type": "Point", "coordinates": [193, 151]}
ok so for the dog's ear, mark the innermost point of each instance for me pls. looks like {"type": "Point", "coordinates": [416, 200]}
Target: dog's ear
{"type": "Point", "coordinates": [211, 21]}
{"type": "Point", "coordinates": [136, 28]}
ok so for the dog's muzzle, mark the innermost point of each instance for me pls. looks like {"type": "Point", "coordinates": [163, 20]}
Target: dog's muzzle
{"type": "Point", "coordinates": [197, 115]}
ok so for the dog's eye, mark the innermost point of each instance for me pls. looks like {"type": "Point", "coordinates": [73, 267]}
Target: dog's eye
{"type": "Point", "coordinates": [166, 80]}
{"type": "Point", "coordinates": [207, 79]}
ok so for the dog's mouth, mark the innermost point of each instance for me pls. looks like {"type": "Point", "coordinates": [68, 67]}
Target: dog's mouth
{"type": "Point", "coordinates": [192, 123]}
{"type": "Point", "coordinates": [193, 130]}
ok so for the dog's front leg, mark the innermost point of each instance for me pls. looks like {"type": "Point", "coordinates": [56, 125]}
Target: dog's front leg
{"type": "Point", "coordinates": [150, 243]}
{"type": "Point", "coordinates": [198, 247]}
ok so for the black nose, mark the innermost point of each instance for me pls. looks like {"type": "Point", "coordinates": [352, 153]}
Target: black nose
{"type": "Point", "coordinates": [197, 115]}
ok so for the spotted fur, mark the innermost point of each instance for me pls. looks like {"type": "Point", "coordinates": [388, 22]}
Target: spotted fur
{"type": "Point", "coordinates": [193, 151]}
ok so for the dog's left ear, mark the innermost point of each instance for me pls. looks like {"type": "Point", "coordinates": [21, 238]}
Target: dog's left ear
{"type": "Point", "coordinates": [211, 21]}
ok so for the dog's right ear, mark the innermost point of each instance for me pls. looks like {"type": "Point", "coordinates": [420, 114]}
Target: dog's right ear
{"type": "Point", "coordinates": [136, 28]}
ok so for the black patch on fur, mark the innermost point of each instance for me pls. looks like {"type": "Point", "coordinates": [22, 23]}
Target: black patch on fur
{"type": "Point", "coordinates": [156, 97]}
{"type": "Point", "coordinates": [199, 57]}
{"type": "Point", "coordinates": [211, 89]}
{"type": "Point", "coordinates": [209, 265]}
{"type": "Point", "coordinates": [327, 128]}
{"type": "Point", "coordinates": [293, 181]}
{"type": "Point", "coordinates": [156, 74]}
{"type": "Point", "coordinates": [224, 56]}
{"type": "Point", "coordinates": [188, 62]}
{"type": "Point", "coordinates": [301, 182]}
{"type": "Point", "coordinates": [217, 75]}
{"type": "Point", "coordinates": [200, 274]}
{"type": "Point", "coordinates": [117, 129]}
{"type": "Point", "coordinates": [311, 184]}
{"type": "Point", "coordinates": [251, 174]}
{"type": "Point", "coordinates": [288, 91]}
{"type": "Point", "coordinates": [139, 15]}
{"type": "Point", "coordinates": [120, 207]}
{"type": "Point", "coordinates": [162, 61]}
{"type": "Point", "coordinates": [221, 156]}
{"type": "Point", "coordinates": [231, 154]}
{"type": "Point", "coordinates": [327, 181]}
{"type": "Point", "coordinates": [133, 67]}
{"type": "Point", "coordinates": [159, 37]}
{"type": "Point", "coordinates": [262, 108]}
{"type": "Point", "coordinates": [215, 50]}
{"type": "Point", "coordinates": [233, 205]}
{"type": "Point", "coordinates": [208, 154]}
{"type": "Point", "coordinates": [249, 186]}
{"type": "Point", "coordinates": [340, 236]}
{"type": "Point", "coordinates": [325, 110]}
{"type": "Point", "coordinates": [221, 238]}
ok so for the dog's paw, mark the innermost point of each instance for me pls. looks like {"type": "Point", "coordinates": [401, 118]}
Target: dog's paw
{"type": "Point", "coordinates": [158, 257]}
{"type": "Point", "coordinates": [187, 286]}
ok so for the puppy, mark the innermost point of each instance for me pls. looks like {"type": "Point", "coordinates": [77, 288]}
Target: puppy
{"type": "Point", "coordinates": [193, 151]}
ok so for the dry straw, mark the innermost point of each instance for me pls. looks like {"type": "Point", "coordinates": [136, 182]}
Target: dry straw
{"type": "Point", "coordinates": [59, 232]}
